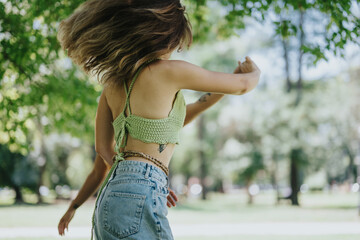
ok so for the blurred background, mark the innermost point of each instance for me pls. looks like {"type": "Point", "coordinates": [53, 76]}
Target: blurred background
{"type": "Point", "coordinates": [281, 162]}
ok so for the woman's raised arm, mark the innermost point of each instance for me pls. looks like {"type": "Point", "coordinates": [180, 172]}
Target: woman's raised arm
{"type": "Point", "coordinates": [184, 75]}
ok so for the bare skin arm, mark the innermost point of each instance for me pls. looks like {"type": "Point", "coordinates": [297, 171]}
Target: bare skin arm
{"type": "Point", "coordinates": [104, 131]}
{"type": "Point", "coordinates": [205, 101]}
{"type": "Point", "coordinates": [209, 99]}
{"type": "Point", "coordinates": [90, 186]}
{"type": "Point", "coordinates": [183, 75]}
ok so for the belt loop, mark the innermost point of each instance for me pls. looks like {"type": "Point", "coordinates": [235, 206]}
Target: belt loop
{"type": "Point", "coordinates": [147, 171]}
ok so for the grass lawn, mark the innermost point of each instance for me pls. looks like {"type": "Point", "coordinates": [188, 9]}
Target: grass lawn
{"type": "Point", "coordinates": [233, 208]}
{"type": "Point", "coordinates": [219, 208]}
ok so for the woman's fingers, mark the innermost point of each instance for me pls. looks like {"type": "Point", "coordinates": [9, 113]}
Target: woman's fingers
{"type": "Point", "coordinates": [61, 227]}
{"type": "Point", "coordinates": [171, 197]}
{"type": "Point", "coordinates": [67, 226]}
{"type": "Point", "coordinates": [255, 67]}
{"type": "Point", "coordinates": [170, 201]}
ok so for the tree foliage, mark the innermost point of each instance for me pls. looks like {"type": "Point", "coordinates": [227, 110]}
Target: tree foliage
{"type": "Point", "coordinates": [42, 92]}
{"type": "Point", "coordinates": [38, 83]}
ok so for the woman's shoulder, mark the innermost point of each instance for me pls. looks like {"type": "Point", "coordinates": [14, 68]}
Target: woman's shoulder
{"type": "Point", "coordinates": [174, 66]}
{"type": "Point", "coordinates": [111, 89]}
{"type": "Point", "coordinates": [176, 70]}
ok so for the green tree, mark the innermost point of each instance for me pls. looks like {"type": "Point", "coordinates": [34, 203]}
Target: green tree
{"type": "Point", "coordinates": [17, 171]}
{"type": "Point", "coordinates": [341, 27]}
{"type": "Point", "coordinates": [41, 91]}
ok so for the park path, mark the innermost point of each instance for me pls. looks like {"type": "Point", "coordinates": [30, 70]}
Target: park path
{"type": "Point", "coordinates": [228, 229]}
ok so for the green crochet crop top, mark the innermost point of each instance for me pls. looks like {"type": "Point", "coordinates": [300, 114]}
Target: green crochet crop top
{"type": "Point", "coordinates": [161, 131]}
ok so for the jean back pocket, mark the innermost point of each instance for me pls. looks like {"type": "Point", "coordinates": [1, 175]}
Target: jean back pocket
{"type": "Point", "coordinates": [123, 213]}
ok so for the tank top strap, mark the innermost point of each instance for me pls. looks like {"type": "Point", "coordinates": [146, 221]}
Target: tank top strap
{"type": "Point", "coordinates": [128, 91]}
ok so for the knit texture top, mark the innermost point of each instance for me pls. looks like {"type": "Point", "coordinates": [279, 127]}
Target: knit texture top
{"type": "Point", "coordinates": [161, 131]}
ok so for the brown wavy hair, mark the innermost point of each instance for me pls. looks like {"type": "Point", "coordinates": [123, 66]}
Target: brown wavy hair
{"type": "Point", "coordinates": [113, 38]}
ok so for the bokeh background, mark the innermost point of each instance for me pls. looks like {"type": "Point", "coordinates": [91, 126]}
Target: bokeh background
{"type": "Point", "coordinates": [281, 162]}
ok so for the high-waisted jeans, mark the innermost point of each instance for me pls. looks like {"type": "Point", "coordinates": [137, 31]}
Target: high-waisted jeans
{"type": "Point", "coordinates": [132, 204]}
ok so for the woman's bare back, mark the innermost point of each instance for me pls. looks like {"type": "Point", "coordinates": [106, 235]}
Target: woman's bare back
{"type": "Point", "coordinates": [149, 98]}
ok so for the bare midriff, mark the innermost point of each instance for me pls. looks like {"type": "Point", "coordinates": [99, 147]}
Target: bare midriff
{"type": "Point", "coordinates": [151, 149]}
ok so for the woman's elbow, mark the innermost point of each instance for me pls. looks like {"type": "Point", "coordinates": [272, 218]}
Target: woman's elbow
{"type": "Point", "coordinates": [241, 88]}
{"type": "Point", "coordinates": [186, 121]}
{"type": "Point", "coordinates": [98, 149]}
{"type": "Point", "coordinates": [98, 174]}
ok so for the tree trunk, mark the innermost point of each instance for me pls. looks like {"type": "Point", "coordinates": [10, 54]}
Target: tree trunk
{"type": "Point", "coordinates": [43, 156]}
{"type": "Point", "coordinates": [287, 70]}
{"type": "Point", "coordinates": [203, 168]}
{"type": "Point", "coordinates": [274, 180]}
{"type": "Point", "coordinates": [18, 195]}
{"type": "Point", "coordinates": [40, 182]}
{"type": "Point", "coordinates": [294, 178]}
{"type": "Point", "coordinates": [284, 43]}
{"type": "Point", "coordinates": [351, 171]}
{"type": "Point", "coordinates": [299, 85]}
{"type": "Point", "coordinates": [294, 170]}
{"type": "Point", "coordinates": [250, 197]}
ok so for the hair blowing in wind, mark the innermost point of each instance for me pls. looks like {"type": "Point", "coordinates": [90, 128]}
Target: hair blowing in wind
{"type": "Point", "coordinates": [113, 38]}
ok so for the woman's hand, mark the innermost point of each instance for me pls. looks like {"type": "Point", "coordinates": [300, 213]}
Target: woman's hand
{"type": "Point", "coordinates": [65, 220]}
{"type": "Point", "coordinates": [171, 197]}
{"type": "Point", "coordinates": [247, 66]}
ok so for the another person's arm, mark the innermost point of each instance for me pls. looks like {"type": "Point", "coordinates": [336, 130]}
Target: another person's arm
{"type": "Point", "coordinates": [90, 186]}
{"type": "Point", "coordinates": [209, 99]}
{"type": "Point", "coordinates": [204, 102]}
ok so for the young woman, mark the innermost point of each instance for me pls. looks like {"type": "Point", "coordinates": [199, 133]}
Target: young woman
{"type": "Point", "coordinates": [127, 44]}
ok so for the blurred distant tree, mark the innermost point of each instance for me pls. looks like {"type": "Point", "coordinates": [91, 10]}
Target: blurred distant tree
{"type": "Point", "coordinates": [17, 171]}
{"type": "Point", "coordinates": [335, 24]}
{"type": "Point", "coordinates": [264, 127]}
{"type": "Point", "coordinates": [40, 90]}
{"type": "Point", "coordinates": [310, 30]}
{"type": "Point", "coordinates": [249, 174]}
{"type": "Point", "coordinates": [36, 80]}
{"type": "Point", "coordinates": [339, 120]}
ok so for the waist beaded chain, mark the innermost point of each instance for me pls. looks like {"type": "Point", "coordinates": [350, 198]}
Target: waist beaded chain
{"type": "Point", "coordinates": [148, 157]}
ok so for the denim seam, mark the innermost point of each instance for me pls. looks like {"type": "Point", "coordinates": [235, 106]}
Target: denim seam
{"type": "Point", "coordinates": [128, 180]}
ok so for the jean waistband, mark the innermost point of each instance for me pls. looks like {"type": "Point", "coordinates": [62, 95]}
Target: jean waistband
{"type": "Point", "coordinates": [146, 169]}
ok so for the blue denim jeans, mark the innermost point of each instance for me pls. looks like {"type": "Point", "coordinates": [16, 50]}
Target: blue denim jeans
{"type": "Point", "coordinates": [132, 205]}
